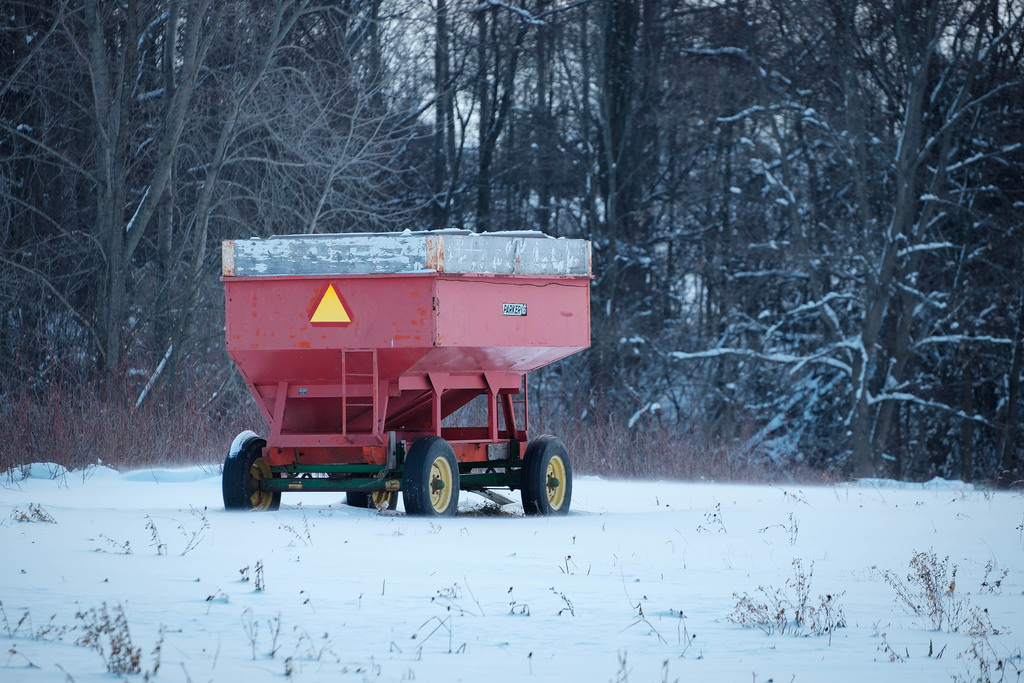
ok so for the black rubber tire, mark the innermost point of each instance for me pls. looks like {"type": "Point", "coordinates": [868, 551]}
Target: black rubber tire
{"type": "Point", "coordinates": [239, 486]}
{"type": "Point", "coordinates": [361, 499]}
{"type": "Point", "coordinates": [357, 499]}
{"type": "Point", "coordinates": [547, 477]}
{"type": "Point", "coordinates": [430, 462]}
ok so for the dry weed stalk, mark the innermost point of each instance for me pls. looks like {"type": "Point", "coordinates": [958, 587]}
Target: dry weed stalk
{"type": "Point", "coordinates": [790, 609]}
{"type": "Point", "coordinates": [107, 633]}
{"type": "Point", "coordinates": [34, 514]}
{"type": "Point", "coordinates": [929, 593]}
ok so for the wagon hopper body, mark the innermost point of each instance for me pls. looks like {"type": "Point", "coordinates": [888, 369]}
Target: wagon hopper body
{"type": "Point", "coordinates": [358, 349]}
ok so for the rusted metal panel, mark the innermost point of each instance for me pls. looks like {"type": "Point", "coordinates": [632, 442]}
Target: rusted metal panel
{"type": "Point", "coordinates": [454, 252]}
{"type": "Point", "coordinates": [435, 254]}
{"type": "Point", "coordinates": [228, 258]}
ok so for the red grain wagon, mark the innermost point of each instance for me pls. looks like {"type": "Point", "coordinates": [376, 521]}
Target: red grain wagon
{"type": "Point", "coordinates": [363, 352]}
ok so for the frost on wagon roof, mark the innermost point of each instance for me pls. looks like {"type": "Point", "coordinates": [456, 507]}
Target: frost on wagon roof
{"type": "Point", "coordinates": [443, 251]}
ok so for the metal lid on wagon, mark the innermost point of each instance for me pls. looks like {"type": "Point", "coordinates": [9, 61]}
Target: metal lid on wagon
{"type": "Point", "coordinates": [441, 251]}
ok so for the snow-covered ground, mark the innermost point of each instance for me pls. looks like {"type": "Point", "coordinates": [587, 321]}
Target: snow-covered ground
{"type": "Point", "coordinates": [642, 581]}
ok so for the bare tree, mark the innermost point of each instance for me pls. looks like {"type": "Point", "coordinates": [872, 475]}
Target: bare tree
{"type": "Point", "coordinates": [160, 105]}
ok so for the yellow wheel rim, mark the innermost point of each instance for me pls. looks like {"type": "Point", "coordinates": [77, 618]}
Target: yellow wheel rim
{"type": "Point", "coordinates": [261, 500]}
{"type": "Point", "coordinates": [555, 482]}
{"type": "Point", "coordinates": [381, 499]}
{"type": "Point", "coordinates": [440, 485]}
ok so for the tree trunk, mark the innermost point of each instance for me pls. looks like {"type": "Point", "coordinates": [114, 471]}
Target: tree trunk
{"type": "Point", "coordinates": [967, 404]}
{"type": "Point", "coordinates": [543, 126]}
{"type": "Point", "coordinates": [107, 69]}
{"type": "Point", "coordinates": [121, 219]}
{"type": "Point", "coordinates": [494, 101]}
{"type": "Point", "coordinates": [485, 102]}
{"type": "Point", "coordinates": [444, 120]}
{"type": "Point", "coordinates": [1009, 456]}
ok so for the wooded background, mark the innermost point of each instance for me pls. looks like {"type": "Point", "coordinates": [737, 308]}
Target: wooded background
{"type": "Point", "coordinates": [806, 217]}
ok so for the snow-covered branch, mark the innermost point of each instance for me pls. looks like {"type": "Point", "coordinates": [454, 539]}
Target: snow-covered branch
{"type": "Point", "coordinates": [523, 14]}
{"type": "Point", "coordinates": [904, 397]}
{"type": "Point", "coordinates": [966, 339]}
{"type": "Point", "coordinates": [781, 358]}
{"type": "Point", "coordinates": [932, 246]}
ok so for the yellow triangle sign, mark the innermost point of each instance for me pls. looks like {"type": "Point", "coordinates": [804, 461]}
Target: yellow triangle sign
{"type": "Point", "coordinates": [330, 309]}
